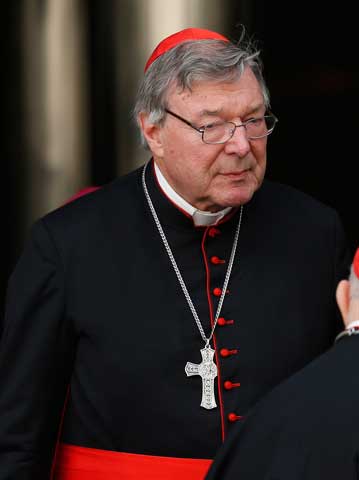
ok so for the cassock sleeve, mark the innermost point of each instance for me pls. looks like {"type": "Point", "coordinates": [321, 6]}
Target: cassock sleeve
{"type": "Point", "coordinates": [36, 357]}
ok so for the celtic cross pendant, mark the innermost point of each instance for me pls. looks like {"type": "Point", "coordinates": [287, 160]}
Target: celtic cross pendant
{"type": "Point", "coordinates": [207, 370]}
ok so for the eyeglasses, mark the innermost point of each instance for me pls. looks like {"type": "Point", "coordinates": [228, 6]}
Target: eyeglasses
{"type": "Point", "coordinates": [221, 132]}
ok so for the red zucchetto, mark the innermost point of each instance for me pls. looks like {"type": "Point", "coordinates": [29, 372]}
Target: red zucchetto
{"type": "Point", "coordinates": [189, 34]}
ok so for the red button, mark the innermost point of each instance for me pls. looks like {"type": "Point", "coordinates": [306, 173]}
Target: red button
{"type": "Point", "coordinates": [222, 321]}
{"type": "Point", "coordinates": [229, 385]}
{"type": "Point", "coordinates": [217, 292]}
{"type": "Point", "coordinates": [232, 417]}
{"type": "Point", "coordinates": [217, 261]}
{"type": "Point", "coordinates": [212, 232]}
{"type": "Point", "coordinates": [226, 353]}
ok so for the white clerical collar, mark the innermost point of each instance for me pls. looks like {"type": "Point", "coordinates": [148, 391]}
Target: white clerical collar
{"type": "Point", "coordinates": [200, 218]}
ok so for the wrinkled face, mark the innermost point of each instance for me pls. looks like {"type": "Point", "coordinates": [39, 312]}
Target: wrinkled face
{"type": "Point", "coordinates": [210, 177]}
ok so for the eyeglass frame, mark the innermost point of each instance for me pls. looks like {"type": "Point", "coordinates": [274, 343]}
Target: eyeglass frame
{"type": "Point", "coordinates": [202, 130]}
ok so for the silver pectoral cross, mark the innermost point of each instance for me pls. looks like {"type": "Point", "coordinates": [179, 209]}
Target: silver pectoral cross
{"type": "Point", "coordinates": [207, 370]}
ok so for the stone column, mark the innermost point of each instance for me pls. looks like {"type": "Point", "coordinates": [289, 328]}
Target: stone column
{"type": "Point", "coordinates": [55, 98]}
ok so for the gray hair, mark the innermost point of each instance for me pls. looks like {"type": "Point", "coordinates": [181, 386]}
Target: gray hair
{"type": "Point", "coordinates": [190, 62]}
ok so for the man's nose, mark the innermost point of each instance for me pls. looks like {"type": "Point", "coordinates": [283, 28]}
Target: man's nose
{"type": "Point", "coordinates": [239, 143]}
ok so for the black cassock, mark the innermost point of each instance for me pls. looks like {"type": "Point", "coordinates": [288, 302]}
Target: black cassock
{"type": "Point", "coordinates": [307, 428]}
{"type": "Point", "coordinates": [94, 303]}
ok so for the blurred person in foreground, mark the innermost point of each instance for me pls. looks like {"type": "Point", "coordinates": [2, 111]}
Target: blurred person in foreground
{"type": "Point", "coordinates": [145, 319]}
{"type": "Point", "coordinates": [307, 428]}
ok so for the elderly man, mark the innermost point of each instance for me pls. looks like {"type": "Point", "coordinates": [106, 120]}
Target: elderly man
{"type": "Point", "coordinates": [145, 319]}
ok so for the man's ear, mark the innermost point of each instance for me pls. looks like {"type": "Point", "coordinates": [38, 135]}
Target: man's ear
{"type": "Point", "coordinates": [343, 299]}
{"type": "Point", "coordinates": [152, 133]}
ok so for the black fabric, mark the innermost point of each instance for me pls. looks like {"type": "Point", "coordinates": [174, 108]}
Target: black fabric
{"type": "Point", "coordinates": [94, 301]}
{"type": "Point", "coordinates": [307, 428]}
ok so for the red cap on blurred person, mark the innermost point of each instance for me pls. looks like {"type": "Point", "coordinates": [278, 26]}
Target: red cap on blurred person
{"type": "Point", "coordinates": [356, 263]}
{"type": "Point", "coordinates": [189, 34]}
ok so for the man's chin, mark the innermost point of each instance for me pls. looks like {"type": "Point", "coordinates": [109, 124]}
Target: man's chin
{"type": "Point", "coordinates": [238, 198]}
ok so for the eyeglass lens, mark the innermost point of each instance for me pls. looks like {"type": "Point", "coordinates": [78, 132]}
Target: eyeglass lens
{"type": "Point", "coordinates": [255, 128]}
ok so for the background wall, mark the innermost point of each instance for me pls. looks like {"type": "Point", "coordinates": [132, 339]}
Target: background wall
{"type": "Point", "coordinates": [71, 67]}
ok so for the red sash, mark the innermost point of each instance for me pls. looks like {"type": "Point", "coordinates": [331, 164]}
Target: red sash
{"type": "Point", "coordinates": [81, 463]}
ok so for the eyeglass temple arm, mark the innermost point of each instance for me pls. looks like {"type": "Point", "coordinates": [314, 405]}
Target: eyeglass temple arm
{"type": "Point", "coordinates": [200, 130]}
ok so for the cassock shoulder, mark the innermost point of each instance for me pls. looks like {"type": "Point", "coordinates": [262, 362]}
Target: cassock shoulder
{"type": "Point", "coordinates": [285, 199]}
{"type": "Point", "coordinates": [316, 225]}
{"type": "Point", "coordinates": [116, 196]}
{"type": "Point", "coordinates": [89, 216]}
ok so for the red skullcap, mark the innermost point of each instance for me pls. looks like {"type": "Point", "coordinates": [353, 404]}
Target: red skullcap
{"type": "Point", "coordinates": [356, 263]}
{"type": "Point", "coordinates": [189, 34]}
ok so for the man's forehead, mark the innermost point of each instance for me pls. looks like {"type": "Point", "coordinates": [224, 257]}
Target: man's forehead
{"type": "Point", "coordinates": [212, 98]}
{"type": "Point", "coordinates": [220, 111]}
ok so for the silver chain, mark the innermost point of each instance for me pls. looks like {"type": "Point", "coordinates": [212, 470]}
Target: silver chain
{"type": "Point", "coordinates": [178, 273]}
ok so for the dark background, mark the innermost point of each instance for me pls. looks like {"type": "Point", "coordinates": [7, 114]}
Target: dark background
{"type": "Point", "coordinates": [312, 70]}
